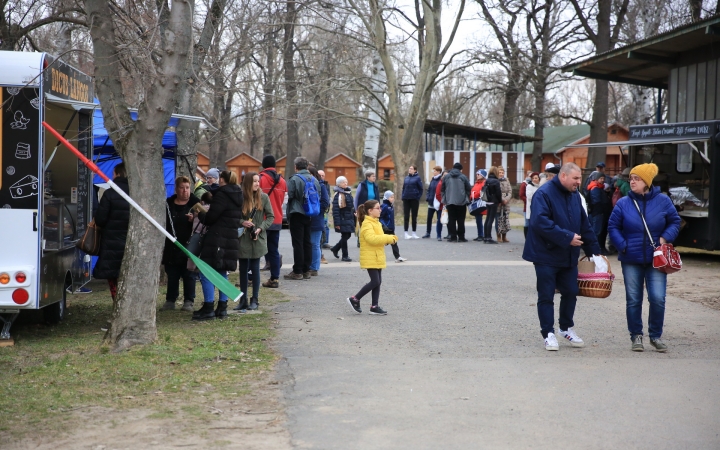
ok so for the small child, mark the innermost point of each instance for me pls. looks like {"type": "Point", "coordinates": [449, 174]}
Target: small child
{"type": "Point", "coordinates": [387, 220]}
{"type": "Point", "coordinates": [372, 254]}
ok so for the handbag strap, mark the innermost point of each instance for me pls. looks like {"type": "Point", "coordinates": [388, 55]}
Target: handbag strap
{"type": "Point", "coordinates": [652, 241]}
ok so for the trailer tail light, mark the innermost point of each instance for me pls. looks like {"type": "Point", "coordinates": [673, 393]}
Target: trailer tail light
{"type": "Point", "coordinates": [4, 278]}
{"type": "Point", "coordinates": [20, 296]}
{"type": "Point", "coordinates": [20, 277]}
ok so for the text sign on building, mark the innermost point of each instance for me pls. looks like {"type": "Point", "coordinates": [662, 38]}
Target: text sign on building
{"type": "Point", "coordinates": [64, 81]}
{"type": "Point", "coordinates": [700, 130]}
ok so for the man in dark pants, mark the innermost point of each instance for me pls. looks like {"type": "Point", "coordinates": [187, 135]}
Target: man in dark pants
{"type": "Point", "coordinates": [298, 221]}
{"type": "Point", "coordinates": [558, 228]}
{"type": "Point", "coordinates": [455, 191]}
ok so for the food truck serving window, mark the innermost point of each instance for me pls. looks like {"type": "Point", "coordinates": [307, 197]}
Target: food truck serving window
{"type": "Point", "coordinates": [19, 147]}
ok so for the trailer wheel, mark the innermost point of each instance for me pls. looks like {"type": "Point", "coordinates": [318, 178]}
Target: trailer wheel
{"type": "Point", "coordinates": [56, 312]}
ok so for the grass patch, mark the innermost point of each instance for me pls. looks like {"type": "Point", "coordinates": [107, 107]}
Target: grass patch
{"type": "Point", "coordinates": [53, 370]}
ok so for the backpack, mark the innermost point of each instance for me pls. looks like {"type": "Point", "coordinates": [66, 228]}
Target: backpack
{"type": "Point", "coordinates": [311, 198]}
{"type": "Point", "coordinates": [484, 193]}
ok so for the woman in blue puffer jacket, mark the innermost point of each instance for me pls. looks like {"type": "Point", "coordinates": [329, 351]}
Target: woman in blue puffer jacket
{"type": "Point", "coordinates": [411, 194]}
{"type": "Point", "coordinates": [629, 236]}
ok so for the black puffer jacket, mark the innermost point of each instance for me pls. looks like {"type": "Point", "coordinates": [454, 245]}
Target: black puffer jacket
{"type": "Point", "coordinates": [172, 255]}
{"type": "Point", "coordinates": [221, 248]}
{"type": "Point", "coordinates": [113, 217]}
{"type": "Point", "coordinates": [344, 218]}
{"type": "Point", "coordinates": [494, 193]}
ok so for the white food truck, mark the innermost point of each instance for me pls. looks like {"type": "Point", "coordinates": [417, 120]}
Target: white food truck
{"type": "Point", "coordinates": [45, 191]}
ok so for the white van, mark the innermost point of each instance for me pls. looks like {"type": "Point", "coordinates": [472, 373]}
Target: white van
{"type": "Point", "coordinates": [45, 191]}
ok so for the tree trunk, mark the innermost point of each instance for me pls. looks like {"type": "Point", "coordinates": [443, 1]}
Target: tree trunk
{"type": "Point", "coordinates": [268, 96]}
{"type": "Point", "coordinates": [539, 119]}
{"type": "Point", "coordinates": [293, 137]}
{"type": "Point", "coordinates": [324, 133]}
{"type": "Point", "coordinates": [372, 132]}
{"type": "Point", "coordinates": [139, 144]}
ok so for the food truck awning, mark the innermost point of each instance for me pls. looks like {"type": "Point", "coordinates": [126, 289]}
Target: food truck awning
{"type": "Point", "coordinates": [673, 140]}
{"type": "Point", "coordinates": [74, 104]}
{"type": "Point", "coordinates": [648, 62]}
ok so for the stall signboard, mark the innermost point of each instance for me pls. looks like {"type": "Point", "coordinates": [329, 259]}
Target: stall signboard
{"type": "Point", "coordinates": [690, 130]}
{"type": "Point", "coordinates": [66, 82]}
{"type": "Point", "coordinates": [19, 148]}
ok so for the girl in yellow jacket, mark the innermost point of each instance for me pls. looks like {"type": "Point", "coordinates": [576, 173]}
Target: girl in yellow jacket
{"type": "Point", "coordinates": [372, 254]}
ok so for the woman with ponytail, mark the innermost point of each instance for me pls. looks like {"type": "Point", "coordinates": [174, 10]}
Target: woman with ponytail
{"type": "Point", "coordinates": [372, 254]}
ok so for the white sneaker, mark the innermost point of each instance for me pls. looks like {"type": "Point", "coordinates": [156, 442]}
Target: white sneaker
{"type": "Point", "coordinates": [551, 342]}
{"type": "Point", "coordinates": [407, 236]}
{"type": "Point", "coordinates": [415, 236]}
{"type": "Point", "coordinates": [400, 259]}
{"type": "Point", "coordinates": [573, 338]}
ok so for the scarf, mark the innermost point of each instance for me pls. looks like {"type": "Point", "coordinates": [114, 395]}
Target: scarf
{"type": "Point", "coordinates": [342, 203]}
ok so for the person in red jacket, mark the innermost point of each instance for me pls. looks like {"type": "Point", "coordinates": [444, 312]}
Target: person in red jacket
{"type": "Point", "coordinates": [476, 193]}
{"type": "Point", "coordinates": [273, 184]}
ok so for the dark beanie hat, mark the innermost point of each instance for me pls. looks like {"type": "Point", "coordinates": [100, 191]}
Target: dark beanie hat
{"type": "Point", "coordinates": [268, 161]}
{"type": "Point", "coordinates": [457, 166]}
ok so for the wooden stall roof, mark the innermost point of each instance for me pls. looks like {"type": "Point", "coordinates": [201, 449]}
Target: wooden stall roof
{"type": "Point", "coordinates": [242, 160]}
{"type": "Point", "coordinates": [472, 133]}
{"type": "Point", "coordinates": [386, 161]}
{"type": "Point", "coordinates": [343, 160]}
{"type": "Point", "coordinates": [648, 62]}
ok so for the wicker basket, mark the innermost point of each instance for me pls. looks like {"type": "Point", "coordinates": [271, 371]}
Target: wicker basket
{"type": "Point", "coordinates": [596, 285]}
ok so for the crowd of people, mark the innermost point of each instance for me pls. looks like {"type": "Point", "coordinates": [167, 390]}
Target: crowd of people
{"type": "Point", "coordinates": [237, 225]}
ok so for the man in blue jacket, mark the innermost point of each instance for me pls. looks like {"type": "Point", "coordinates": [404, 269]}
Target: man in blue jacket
{"type": "Point", "coordinates": [558, 228]}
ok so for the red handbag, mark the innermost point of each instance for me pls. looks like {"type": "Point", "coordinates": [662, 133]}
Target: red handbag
{"type": "Point", "coordinates": [665, 258]}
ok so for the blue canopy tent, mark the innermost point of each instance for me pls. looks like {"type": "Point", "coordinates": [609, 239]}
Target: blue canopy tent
{"type": "Point", "coordinates": [106, 158]}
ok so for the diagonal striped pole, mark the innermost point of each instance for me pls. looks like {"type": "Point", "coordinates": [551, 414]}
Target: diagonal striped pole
{"type": "Point", "coordinates": [211, 274]}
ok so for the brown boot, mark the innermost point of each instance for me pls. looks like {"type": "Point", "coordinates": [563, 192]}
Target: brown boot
{"type": "Point", "coordinates": [500, 238]}
{"type": "Point", "coordinates": [505, 238]}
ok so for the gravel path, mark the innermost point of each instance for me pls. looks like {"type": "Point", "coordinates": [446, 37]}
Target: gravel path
{"type": "Point", "coordinates": [458, 362]}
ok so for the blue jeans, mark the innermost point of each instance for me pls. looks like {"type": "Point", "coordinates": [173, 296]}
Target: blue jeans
{"type": "Point", "coordinates": [326, 231]}
{"type": "Point", "coordinates": [273, 255]}
{"type": "Point", "coordinates": [439, 226]}
{"type": "Point", "coordinates": [209, 289]}
{"type": "Point", "coordinates": [315, 238]}
{"type": "Point", "coordinates": [565, 280]}
{"type": "Point", "coordinates": [635, 276]}
{"type": "Point", "coordinates": [478, 222]}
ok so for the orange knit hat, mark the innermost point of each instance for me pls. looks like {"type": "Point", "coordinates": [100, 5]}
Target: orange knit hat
{"type": "Point", "coordinates": [645, 171]}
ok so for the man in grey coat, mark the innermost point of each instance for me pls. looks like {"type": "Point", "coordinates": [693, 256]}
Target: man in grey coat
{"type": "Point", "coordinates": [455, 193]}
{"type": "Point", "coordinates": [298, 221]}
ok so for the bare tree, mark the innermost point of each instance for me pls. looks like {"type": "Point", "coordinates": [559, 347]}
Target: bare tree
{"type": "Point", "coordinates": [187, 132]}
{"type": "Point", "coordinates": [20, 18]}
{"type": "Point", "coordinates": [291, 88]}
{"type": "Point", "coordinates": [155, 46]}
{"type": "Point", "coordinates": [604, 39]}
{"type": "Point", "coordinates": [403, 130]}
{"type": "Point", "coordinates": [549, 34]}
{"type": "Point", "coordinates": [505, 19]}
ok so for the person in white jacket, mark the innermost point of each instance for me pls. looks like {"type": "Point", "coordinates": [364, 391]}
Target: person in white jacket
{"type": "Point", "coordinates": [532, 186]}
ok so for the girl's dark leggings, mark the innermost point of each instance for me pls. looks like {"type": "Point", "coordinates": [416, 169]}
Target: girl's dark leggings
{"type": "Point", "coordinates": [373, 285]}
{"type": "Point", "coordinates": [411, 206]}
